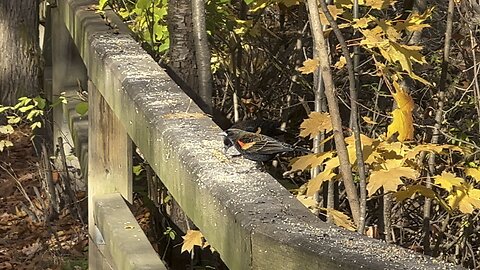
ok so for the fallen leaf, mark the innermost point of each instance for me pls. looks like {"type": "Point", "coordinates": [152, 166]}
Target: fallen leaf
{"type": "Point", "coordinates": [191, 239]}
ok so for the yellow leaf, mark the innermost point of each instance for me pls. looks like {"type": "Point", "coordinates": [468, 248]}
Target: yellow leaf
{"type": "Point", "coordinates": [429, 147]}
{"type": "Point", "coordinates": [399, 149]}
{"type": "Point", "coordinates": [309, 161]}
{"type": "Point", "coordinates": [379, 4]}
{"type": "Point", "coordinates": [368, 120]}
{"type": "Point", "coordinates": [309, 66]}
{"type": "Point", "coordinates": [191, 239]}
{"type": "Point", "coordinates": [390, 31]}
{"type": "Point", "coordinates": [361, 23]}
{"type": "Point", "coordinates": [474, 173]}
{"type": "Point", "coordinates": [448, 180]}
{"type": "Point", "coordinates": [415, 21]}
{"type": "Point", "coordinates": [314, 184]}
{"type": "Point", "coordinates": [365, 140]}
{"type": "Point", "coordinates": [403, 54]}
{"type": "Point", "coordinates": [340, 219]}
{"type": "Point", "coordinates": [410, 190]}
{"type": "Point", "coordinates": [402, 116]}
{"type": "Point", "coordinates": [332, 163]}
{"type": "Point", "coordinates": [334, 11]}
{"type": "Point", "coordinates": [373, 37]}
{"type": "Point", "coordinates": [423, 147]}
{"type": "Point", "coordinates": [316, 123]}
{"type": "Point", "coordinates": [308, 201]}
{"type": "Point", "coordinates": [389, 178]}
{"type": "Point", "coordinates": [345, 3]}
{"type": "Point", "coordinates": [340, 63]}
{"type": "Point", "coordinates": [466, 199]}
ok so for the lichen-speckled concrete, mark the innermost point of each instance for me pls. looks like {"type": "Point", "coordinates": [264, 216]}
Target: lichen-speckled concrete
{"type": "Point", "coordinates": [245, 214]}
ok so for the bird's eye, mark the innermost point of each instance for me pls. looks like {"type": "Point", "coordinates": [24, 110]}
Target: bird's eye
{"type": "Point", "coordinates": [247, 140]}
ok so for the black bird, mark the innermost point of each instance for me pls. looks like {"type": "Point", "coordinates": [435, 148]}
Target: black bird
{"type": "Point", "coordinates": [259, 126]}
{"type": "Point", "coordinates": [258, 147]}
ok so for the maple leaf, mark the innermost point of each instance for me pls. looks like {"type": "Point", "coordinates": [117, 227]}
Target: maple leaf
{"type": "Point", "coordinates": [466, 199]}
{"type": "Point", "coordinates": [379, 4]}
{"type": "Point", "coordinates": [373, 37]}
{"type": "Point", "coordinates": [364, 138]}
{"type": "Point", "coordinates": [403, 54]}
{"type": "Point", "coordinates": [474, 173]}
{"type": "Point", "coordinates": [340, 219]}
{"type": "Point", "coordinates": [390, 177]}
{"type": "Point", "coordinates": [415, 21]}
{"type": "Point", "coordinates": [390, 32]}
{"type": "Point", "coordinates": [448, 180]}
{"type": "Point", "coordinates": [340, 63]}
{"type": "Point", "coordinates": [308, 201]}
{"type": "Point", "coordinates": [410, 190]}
{"type": "Point", "coordinates": [430, 147]}
{"type": "Point", "coordinates": [315, 123]}
{"type": "Point", "coordinates": [398, 149]}
{"type": "Point", "coordinates": [309, 161]}
{"type": "Point", "coordinates": [360, 23]}
{"type": "Point", "coordinates": [309, 66]}
{"type": "Point", "coordinates": [334, 11]}
{"type": "Point", "coordinates": [424, 147]}
{"type": "Point", "coordinates": [369, 149]}
{"type": "Point", "coordinates": [346, 3]}
{"type": "Point", "coordinates": [402, 116]}
{"type": "Point", "coordinates": [314, 184]}
{"type": "Point", "coordinates": [332, 163]}
{"type": "Point", "coordinates": [191, 239]}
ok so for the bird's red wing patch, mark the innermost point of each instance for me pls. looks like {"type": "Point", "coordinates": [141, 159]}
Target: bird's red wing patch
{"type": "Point", "coordinates": [245, 145]}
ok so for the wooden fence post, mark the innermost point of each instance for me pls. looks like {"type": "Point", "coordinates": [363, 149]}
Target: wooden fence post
{"type": "Point", "coordinates": [69, 75]}
{"type": "Point", "coordinates": [109, 163]}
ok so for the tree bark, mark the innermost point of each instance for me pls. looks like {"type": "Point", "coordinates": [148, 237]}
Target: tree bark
{"type": "Point", "coordinates": [182, 49]}
{"type": "Point", "coordinates": [202, 53]}
{"type": "Point", "coordinates": [20, 69]}
{"type": "Point", "coordinates": [345, 167]}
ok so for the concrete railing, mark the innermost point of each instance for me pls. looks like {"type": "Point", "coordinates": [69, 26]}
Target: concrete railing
{"type": "Point", "coordinates": [245, 214]}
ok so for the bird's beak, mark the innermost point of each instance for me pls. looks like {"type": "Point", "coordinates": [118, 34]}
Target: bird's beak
{"type": "Point", "coordinates": [222, 134]}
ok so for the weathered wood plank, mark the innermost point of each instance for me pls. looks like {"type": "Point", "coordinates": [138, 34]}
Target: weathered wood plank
{"type": "Point", "coordinates": [125, 241]}
{"type": "Point", "coordinates": [245, 214]}
{"type": "Point", "coordinates": [109, 160]}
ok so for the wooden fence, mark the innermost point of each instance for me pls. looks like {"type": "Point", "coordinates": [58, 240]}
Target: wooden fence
{"type": "Point", "coordinates": [245, 214]}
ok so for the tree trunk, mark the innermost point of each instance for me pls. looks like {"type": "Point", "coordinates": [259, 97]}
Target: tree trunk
{"type": "Point", "coordinates": [202, 52]}
{"type": "Point", "coordinates": [182, 49]}
{"type": "Point", "coordinates": [20, 70]}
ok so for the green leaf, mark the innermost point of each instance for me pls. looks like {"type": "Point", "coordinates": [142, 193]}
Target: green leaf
{"type": "Point", "coordinates": [164, 46]}
{"type": "Point", "coordinates": [8, 129]}
{"type": "Point", "coordinates": [82, 108]}
{"type": "Point", "coordinates": [26, 108]}
{"type": "Point", "coordinates": [36, 125]}
{"type": "Point", "coordinates": [137, 169]}
{"type": "Point", "coordinates": [102, 4]}
{"type": "Point", "coordinates": [41, 102]}
{"type": "Point", "coordinates": [13, 119]}
{"type": "Point", "coordinates": [34, 113]}
{"type": "Point", "coordinates": [23, 101]}
{"type": "Point", "coordinates": [167, 199]}
{"type": "Point", "coordinates": [4, 144]}
{"type": "Point", "coordinates": [143, 4]}
{"type": "Point", "coordinates": [4, 108]}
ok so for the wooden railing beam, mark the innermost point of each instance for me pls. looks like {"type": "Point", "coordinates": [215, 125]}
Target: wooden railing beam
{"type": "Point", "coordinates": [247, 216]}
